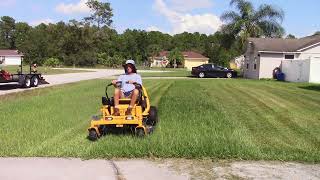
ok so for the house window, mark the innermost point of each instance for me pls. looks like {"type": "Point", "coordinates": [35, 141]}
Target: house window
{"type": "Point", "coordinates": [247, 65]}
{"type": "Point", "coordinates": [289, 56]}
{"type": "Point", "coordinates": [255, 66]}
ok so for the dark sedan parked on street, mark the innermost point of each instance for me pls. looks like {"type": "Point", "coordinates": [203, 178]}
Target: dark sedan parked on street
{"type": "Point", "coordinates": [211, 70]}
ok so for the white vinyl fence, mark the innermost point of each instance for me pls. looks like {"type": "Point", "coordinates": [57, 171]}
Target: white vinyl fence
{"type": "Point", "coordinates": [301, 70]}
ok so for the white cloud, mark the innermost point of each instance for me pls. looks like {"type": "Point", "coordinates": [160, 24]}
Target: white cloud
{"type": "Point", "coordinates": [153, 28]}
{"type": "Point", "coordinates": [205, 23]}
{"type": "Point", "coordinates": [188, 5]}
{"type": "Point", "coordinates": [7, 3]}
{"type": "Point", "coordinates": [77, 8]}
{"type": "Point", "coordinates": [44, 21]}
{"type": "Point", "coordinates": [181, 22]}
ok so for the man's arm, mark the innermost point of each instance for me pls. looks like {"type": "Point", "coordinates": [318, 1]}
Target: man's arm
{"type": "Point", "coordinates": [114, 82]}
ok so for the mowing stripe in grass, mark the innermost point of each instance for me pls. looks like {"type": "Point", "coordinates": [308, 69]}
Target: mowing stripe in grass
{"type": "Point", "coordinates": [279, 121]}
{"type": "Point", "coordinates": [284, 120]}
{"type": "Point", "coordinates": [263, 111]}
{"type": "Point", "coordinates": [240, 133]}
{"type": "Point", "coordinates": [288, 112]}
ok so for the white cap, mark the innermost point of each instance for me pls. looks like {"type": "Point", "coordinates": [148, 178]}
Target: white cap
{"type": "Point", "coordinates": [130, 61]}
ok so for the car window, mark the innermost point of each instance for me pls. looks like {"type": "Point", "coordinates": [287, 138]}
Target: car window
{"type": "Point", "coordinates": [220, 67]}
{"type": "Point", "coordinates": [208, 66]}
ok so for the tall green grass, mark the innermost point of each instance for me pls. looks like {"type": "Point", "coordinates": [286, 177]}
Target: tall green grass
{"type": "Point", "coordinates": [215, 118]}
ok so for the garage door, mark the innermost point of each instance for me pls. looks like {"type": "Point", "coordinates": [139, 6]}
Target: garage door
{"type": "Point", "coordinates": [192, 63]}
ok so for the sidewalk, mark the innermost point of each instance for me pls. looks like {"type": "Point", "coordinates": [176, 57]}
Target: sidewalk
{"type": "Point", "coordinates": [76, 169]}
{"type": "Point", "coordinates": [156, 169]}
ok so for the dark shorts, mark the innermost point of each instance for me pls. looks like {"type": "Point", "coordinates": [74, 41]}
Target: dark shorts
{"type": "Point", "coordinates": [127, 94]}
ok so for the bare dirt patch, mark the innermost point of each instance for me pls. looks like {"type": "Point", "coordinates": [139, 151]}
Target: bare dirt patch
{"type": "Point", "coordinates": [208, 169]}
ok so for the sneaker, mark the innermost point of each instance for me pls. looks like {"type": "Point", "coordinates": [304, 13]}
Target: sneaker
{"type": "Point", "coordinates": [116, 112]}
{"type": "Point", "coordinates": [128, 112]}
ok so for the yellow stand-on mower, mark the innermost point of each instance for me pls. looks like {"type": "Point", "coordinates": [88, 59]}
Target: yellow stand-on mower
{"type": "Point", "coordinates": [141, 122]}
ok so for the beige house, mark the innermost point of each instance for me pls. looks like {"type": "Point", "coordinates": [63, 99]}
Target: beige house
{"type": "Point", "coordinates": [263, 55]}
{"type": "Point", "coordinates": [191, 59]}
{"type": "Point", "coordinates": [237, 62]}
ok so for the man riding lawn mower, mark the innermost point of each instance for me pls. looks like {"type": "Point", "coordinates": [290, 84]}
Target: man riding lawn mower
{"type": "Point", "coordinates": [129, 109]}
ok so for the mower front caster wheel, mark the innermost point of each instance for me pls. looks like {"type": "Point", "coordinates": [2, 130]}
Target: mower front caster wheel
{"type": "Point", "coordinates": [93, 136]}
{"type": "Point", "coordinates": [140, 132]}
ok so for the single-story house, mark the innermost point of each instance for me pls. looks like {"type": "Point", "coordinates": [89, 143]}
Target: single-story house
{"type": "Point", "coordinates": [10, 57]}
{"type": "Point", "coordinates": [161, 60]}
{"type": "Point", "coordinates": [264, 55]}
{"type": "Point", "coordinates": [237, 62]}
{"type": "Point", "coordinates": [191, 59]}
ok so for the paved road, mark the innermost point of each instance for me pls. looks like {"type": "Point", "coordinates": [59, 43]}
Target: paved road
{"type": "Point", "coordinates": [67, 78]}
{"type": "Point", "coordinates": [58, 79]}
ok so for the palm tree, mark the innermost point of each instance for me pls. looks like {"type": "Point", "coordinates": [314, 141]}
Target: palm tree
{"type": "Point", "coordinates": [153, 50]}
{"type": "Point", "coordinates": [176, 57]}
{"type": "Point", "coordinates": [251, 22]}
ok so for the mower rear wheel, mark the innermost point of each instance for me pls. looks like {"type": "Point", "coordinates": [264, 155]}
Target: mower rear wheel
{"type": "Point", "coordinates": [153, 116]}
{"type": "Point", "coordinates": [93, 136]}
{"type": "Point", "coordinates": [140, 132]}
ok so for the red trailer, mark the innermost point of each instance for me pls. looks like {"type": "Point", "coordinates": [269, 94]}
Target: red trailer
{"type": "Point", "coordinates": [25, 80]}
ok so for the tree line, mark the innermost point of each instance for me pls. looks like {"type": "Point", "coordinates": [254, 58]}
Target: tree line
{"type": "Point", "coordinates": [92, 41]}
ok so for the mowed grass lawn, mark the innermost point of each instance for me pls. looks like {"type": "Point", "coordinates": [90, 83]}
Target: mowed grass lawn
{"type": "Point", "coordinates": [206, 118]}
{"type": "Point", "coordinates": [168, 72]}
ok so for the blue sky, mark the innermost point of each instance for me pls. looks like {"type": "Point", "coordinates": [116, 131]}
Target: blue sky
{"type": "Point", "coordinates": [170, 16]}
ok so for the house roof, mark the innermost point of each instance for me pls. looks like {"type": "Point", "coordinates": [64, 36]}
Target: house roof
{"type": "Point", "coordinates": [186, 54]}
{"type": "Point", "coordinates": [6, 52]}
{"type": "Point", "coordinates": [164, 53]}
{"type": "Point", "coordinates": [284, 45]}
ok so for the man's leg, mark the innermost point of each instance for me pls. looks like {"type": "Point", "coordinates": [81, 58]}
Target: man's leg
{"type": "Point", "coordinates": [134, 97]}
{"type": "Point", "coordinates": [117, 94]}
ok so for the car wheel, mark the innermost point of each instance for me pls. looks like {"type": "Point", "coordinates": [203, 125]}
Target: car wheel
{"type": "Point", "coordinates": [229, 75]}
{"type": "Point", "coordinates": [27, 82]}
{"type": "Point", "coordinates": [201, 75]}
{"type": "Point", "coordinates": [34, 81]}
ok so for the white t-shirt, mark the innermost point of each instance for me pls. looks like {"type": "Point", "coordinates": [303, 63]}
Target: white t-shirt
{"type": "Point", "coordinates": [125, 87]}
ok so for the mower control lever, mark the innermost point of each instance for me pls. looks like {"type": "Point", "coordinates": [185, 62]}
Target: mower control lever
{"type": "Point", "coordinates": [118, 83]}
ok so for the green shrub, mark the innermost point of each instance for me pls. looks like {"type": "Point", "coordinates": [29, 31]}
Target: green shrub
{"type": "Point", "coordinates": [52, 62]}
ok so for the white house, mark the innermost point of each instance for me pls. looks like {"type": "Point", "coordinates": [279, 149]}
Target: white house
{"type": "Point", "coordinates": [10, 57]}
{"type": "Point", "coordinates": [263, 55]}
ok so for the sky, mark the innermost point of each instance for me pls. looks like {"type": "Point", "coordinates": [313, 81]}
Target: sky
{"type": "Point", "coordinates": [302, 18]}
